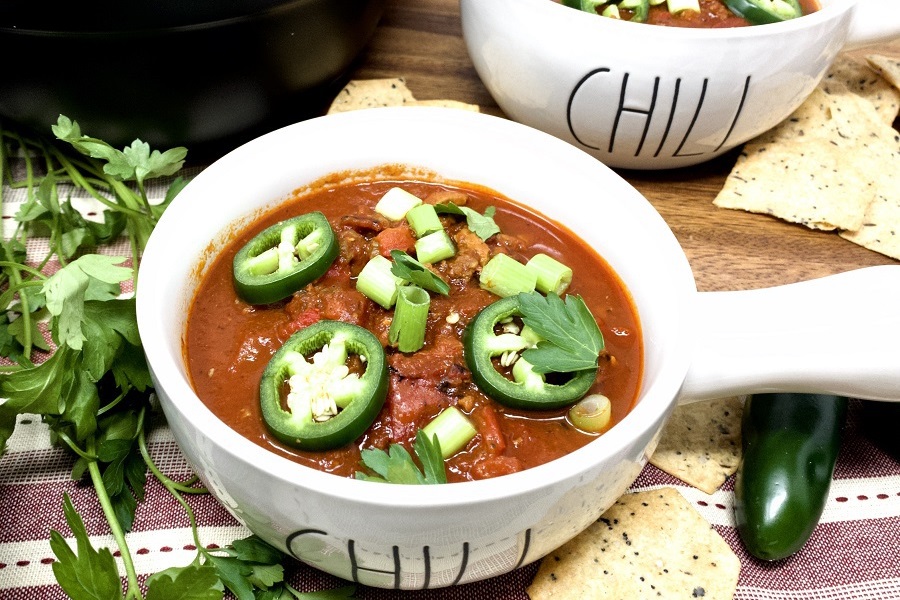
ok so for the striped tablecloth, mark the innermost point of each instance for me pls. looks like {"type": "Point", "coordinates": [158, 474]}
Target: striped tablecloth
{"type": "Point", "coordinates": [854, 552]}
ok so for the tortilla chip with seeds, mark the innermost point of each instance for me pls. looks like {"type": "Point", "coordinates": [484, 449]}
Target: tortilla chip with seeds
{"type": "Point", "coordinates": [374, 93]}
{"type": "Point", "coordinates": [815, 168]}
{"type": "Point", "coordinates": [701, 443]}
{"type": "Point", "coordinates": [446, 104]}
{"type": "Point", "coordinates": [887, 66]}
{"type": "Point", "coordinates": [857, 78]}
{"type": "Point", "coordinates": [371, 93]}
{"type": "Point", "coordinates": [651, 544]}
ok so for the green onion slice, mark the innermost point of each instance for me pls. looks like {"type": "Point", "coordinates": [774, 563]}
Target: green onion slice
{"type": "Point", "coordinates": [407, 331]}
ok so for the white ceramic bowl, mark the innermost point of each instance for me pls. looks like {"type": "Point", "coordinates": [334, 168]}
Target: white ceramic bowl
{"type": "Point", "coordinates": [649, 97]}
{"type": "Point", "coordinates": [431, 536]}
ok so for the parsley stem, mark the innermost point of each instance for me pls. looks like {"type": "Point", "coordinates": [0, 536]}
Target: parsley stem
{"type": "Point", "coordinates": [170, 484]}
{"type": "Point", "coordinates": [15, 281]}
{"type": "Point", "coordinates": [20, 267]}
{"type": "Point", "coordinates": [79, 180]}
{"type": "Point", "coordinates": [115, 401]}
{"type": "Point", "coordinates": [173, 489]}
{"type": "Point", "coordinates": [115, 527]}
{"type": "Point", "coordinates": [75, 448]}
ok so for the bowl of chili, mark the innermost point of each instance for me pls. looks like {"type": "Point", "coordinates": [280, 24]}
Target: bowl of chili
{"type": "Point", "coordinates": [365, 528]}
{"type": "Point", "coordinates": [662, 85]}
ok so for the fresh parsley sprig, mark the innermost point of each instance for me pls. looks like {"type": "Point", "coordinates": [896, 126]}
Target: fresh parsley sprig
{"type": "Point", "coordinates": [396, 465]}
{"type": "Point", "coordinates": [408, 268]}
{"type": "Point", "coordinates": [482, 225]}
{"type": "Point", "coordinates": [92, 385]}
{"type": "Point", "coordinates": [571, 338]}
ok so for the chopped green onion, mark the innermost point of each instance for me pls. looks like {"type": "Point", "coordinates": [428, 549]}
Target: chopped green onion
{"type": "Point", "coordinates": [434, 247]}
{"type": "Point", "coordinates": [611, 11]}
{"type": "Point", "coordinates": [453, 430]}
{"type": "Point", "coordinates": [676, 6]}
{"type": "Point", "coordinates": [505, 276]}
{"type": "Point", "coordinates": [592, 413]}
{"type": "Point", "coordinates": [640, 9]}
{"type": "Point", "coordinates": [407, 330]}
{"type": "Point", "coordinates": [424, 220]}
{"type": "Point", "coordinates": [552, 275]}
{"type": "Point", "coordinates": [377, 283]}
{"type": "Point", "coordinates": [395, 203]}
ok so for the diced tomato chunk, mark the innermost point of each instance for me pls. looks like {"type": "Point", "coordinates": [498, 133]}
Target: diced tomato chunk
{"type": "Point", "coordinates": [494, 466]}
{"type": "Point", "coordinates": [395, 238]}
{"type": "Point", "coordinates": [488, 424]}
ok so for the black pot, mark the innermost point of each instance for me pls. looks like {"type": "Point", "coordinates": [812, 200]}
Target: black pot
{"type": "Point", "coordinates": [177, 72]}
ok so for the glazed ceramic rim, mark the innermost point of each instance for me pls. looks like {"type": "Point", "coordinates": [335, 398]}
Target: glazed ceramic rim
{"type": "Point", "coordinates": [167, 364]}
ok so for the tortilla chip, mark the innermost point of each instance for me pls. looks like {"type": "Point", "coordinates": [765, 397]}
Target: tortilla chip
{"type": "Point", "coordinates": [887, 66]}
{"type": "Point", "coordinates": [835, 163]}
{"type": "Point", "coordinates": [371, 93]}
{"type": "Point", "coordinates": [819, 168]}
{"type": "Point", "coordinates": [701, 443]}
{"type": "Point", "coordinates": [650, 544]}
{"type": "Point", "coordinates": [880, 230]}
{"type": "Point", "coordinates": [446, 104]}
{"type": "Point", "coordinates": [855, 77]}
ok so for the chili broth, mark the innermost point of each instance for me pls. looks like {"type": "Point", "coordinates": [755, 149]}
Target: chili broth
{"type": "Point", "coordinates": [228, 342]}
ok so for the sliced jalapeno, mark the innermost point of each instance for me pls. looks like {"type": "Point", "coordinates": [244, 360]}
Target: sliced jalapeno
{"type": "Point", "coordinates": [283, 258]}
{"type": "Point", "coordinates": [760, 12]}
{"type": "Point", "coordinates": [527, 389]}
{"type": "Point", "coordinates": [640, 9]}
{"type": "Point", "coordinates": [326, 406]}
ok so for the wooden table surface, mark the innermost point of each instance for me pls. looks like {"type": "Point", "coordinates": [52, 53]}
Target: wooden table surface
{"type": "Point", "coordinates": [421, 41]}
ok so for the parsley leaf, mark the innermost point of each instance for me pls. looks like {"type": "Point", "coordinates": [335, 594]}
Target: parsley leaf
{"type": "Point", "coordinates": [89, 573]}
{"type": "Point", "coordinates": [397, 465]}
{"type": "Point", "coordinates": [408, 268]}
{"type": "Point", "coordinates": [194, 582]}
{"type": "Point", "coordinates": [134, 162]}
{"type": "Point", "coordinates": [91, 277]}
{"type": "Point", "coordinates": [571, 339]}
{"type": "Point", "coordinates": [481, 225]}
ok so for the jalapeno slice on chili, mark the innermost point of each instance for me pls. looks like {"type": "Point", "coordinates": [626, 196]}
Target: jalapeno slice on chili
{"type": "Point", "coordinates": [528, 388]}
{"type": "Point", "coordinates": [760, 12]}
{"type": "Point", "coordinates": [309, 397]}
{"type": "Point", "coordinates": [283, 258]}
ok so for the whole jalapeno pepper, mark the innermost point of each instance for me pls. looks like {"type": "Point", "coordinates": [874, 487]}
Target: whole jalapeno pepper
{"type": "Point", "coordinates": [790, 447]}
{"type": "Point", "coordinates": [283, 258]}
{"type": "Point", "coordinates": [527, 389]}
{"type": "Point", "coordinates": [760, 12]}
{"type": "Point", "coordinates": [325, 405]}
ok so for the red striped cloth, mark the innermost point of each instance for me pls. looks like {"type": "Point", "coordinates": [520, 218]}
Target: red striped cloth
{"type": "Point", "coordinates": [853, 553]}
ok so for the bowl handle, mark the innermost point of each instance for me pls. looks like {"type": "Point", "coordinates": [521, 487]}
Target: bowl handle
{"type": "Point", "coordinates": [874, 22]}
{"type": "Point", "coordinates": [839, 334]}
